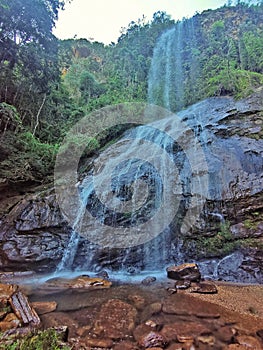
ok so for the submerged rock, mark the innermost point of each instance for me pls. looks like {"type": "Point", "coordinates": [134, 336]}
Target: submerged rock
{"type": "Point", "coordinates": [44, 307]}
{"type": "Point", "coordinates": [116, 320]}
{"type": "Point", "coordinates": [148, 280]}
{"type": "Point", "coordinates": [204, 288]}
{"type": "Point", "coordinates": [81, 282]}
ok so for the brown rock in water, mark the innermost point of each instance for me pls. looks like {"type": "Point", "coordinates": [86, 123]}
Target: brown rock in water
{"type": "Point", "coordinates": [126, 345]}
{"type": "Point", "coordinates": [44, 307]}
{"type": "Point", "coordinates": [77, 283]}
{"type": "Point", "coordinates": [204, 288]}
{"type": "Point", "coordinates": [189, 271]}
{"type": "Point", "coordinates": [97, 343]}
{"type": "Point", "coordinates": [175, 347]}
{"type": "Point", "coordinates": [183, 284]}
{"type": "Point", "coordinates": [103, 274]}
{"type": "Point", "coordinates": [183, 332]}
{"type": "Point", "coordinates": [148, 280]}
{"type": "Point", "coordinates": [152, 309]}
{"type": "Point", "coordinates": [141, 330]}
{"type": "Point", "coordinates": [115, 320]}
{"type": "Point", "coordinates": [137, 300]}
{"type": "Point", "coordinates": [171, 290]}
{"type": "Point", "coordinates": [249, 341]}
{"type": "Point", "coordinates": [208, 340]}
{"type": "Point", "coordinates": [151, 340]}
{"type": "Point", "coordinates": [56, 319]}
{"type": "Point", "coordinates": [236, 347]}
{"type": "Point", "coordinates": [226, 334]}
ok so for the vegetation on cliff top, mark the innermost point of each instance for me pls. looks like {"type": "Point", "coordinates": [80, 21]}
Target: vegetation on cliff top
{"type": "Point", "coordinates": [47, 85]}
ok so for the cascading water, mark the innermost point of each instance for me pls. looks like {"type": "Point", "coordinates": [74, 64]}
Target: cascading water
{"type": "Point", "coordinates": [169, 77]}
{"type": "Point", "coordinates": [143, 187]}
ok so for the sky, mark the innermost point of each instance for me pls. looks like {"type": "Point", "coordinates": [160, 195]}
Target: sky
{"type": "Point", "coordinates": [102, 20]}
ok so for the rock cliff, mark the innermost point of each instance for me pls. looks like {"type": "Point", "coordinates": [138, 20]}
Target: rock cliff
{"type": "Point", "coordinates": [227, 239]}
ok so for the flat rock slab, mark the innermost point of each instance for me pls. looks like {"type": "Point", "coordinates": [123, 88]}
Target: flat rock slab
{"type": "Point", "coordinates": [44, 307]}
{"type": "Point", "coordinates": [183, 331]}
{"type": "Point", "coordinates": [180, 304]}
{"type": "Point", "coordinates": [204, 288]}
{"type": "Point", "coordinates": [116, 320]}
{"type": "Point", "coordinates": [81, 282]}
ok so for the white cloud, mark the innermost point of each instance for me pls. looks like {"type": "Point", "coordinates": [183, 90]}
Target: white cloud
{"type": "Point", "coordinates": [103, 19]}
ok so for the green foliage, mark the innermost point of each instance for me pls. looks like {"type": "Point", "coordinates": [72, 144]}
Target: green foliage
{"type": "Point", "coordinates": [41, 340]}
{"type": "Point", "coordinates": [222, 243]}
{"type": "Point", "coordinates": [9, 118]}
{"type": "Point", "coordinates": [239, 83]}
{"type": "Point", "coordinates": [52, 84]}
{"type": "Point", "coordinates": [25, 158]}
{"type": "Point", "coordinates": [79, 142]}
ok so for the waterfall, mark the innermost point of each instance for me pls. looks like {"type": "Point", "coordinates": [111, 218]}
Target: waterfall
{"type": "Point", "coordinates": [70, 251]}
{"type": "Point", "coordinates": [165, 84]}
{"type": "Point", "coordinates": [146, 186]}
{"type": "Point", "coordinates": [171, 82]}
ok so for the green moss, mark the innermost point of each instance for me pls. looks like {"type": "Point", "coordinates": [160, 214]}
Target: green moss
{"type": "Point", "coordinates": [40, 340]}
{"type": "Point", "coordinates": [222, 243]}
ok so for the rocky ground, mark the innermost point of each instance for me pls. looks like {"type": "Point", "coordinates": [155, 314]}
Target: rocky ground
{"type": "Point", "coordinates": [185, 313]}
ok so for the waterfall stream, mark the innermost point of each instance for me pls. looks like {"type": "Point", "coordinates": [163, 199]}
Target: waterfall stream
{"type": "Point", "coordinates": [143, 188]}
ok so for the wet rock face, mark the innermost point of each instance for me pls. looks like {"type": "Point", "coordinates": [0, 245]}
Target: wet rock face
{"type": "Point", "coordinates": [33, 233]}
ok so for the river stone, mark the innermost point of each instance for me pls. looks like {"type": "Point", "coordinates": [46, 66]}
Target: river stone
{"type": "Point", "coordinates": [152, 309]}
{"type": "Point", "coordinates": [44, 307]}
{"type": "Point", "coordinates": [148, 280]}
{"type": "Point", "coordinates": [208, 340]}
{"type": "Point", "coordinates": [141, 330]}
{"type": "Point", "coordinates": [176, 347]}
{"type": "Point", "coordinates": [249, 341]}
{"type": "Point", "coordinates": [226, 333]}
{"type": "Point", "coordinates": [56, 319]}
{"type": "Point", "coordinates": [97, 343]}
{"type": "Point", "coordinates": [183, 332]}
{"type": "Point", "coordinates": [151, 340]}
{"type": "Point", "coordinates": [137, 300]}
{"type": "Point", "coordinates": [77, 283]}
{"type": "Point", "coordinates": [189, 271]}
{"type": "Point", "coordinates": [116, 320]}
{"type": "Point", "coordinates": [182, 284]}
{"type": "Point", "coordinates": [126, 345]}
{"type": "Point", "coordinates": [237, 347]}
{"type": "Point", "coordinates": [103, 274]}
{"type": "Point", "coordinates": [204, 288]}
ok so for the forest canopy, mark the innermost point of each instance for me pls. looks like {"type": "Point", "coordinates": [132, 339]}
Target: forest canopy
{"type": "Point", "coordinates": [47, 85]}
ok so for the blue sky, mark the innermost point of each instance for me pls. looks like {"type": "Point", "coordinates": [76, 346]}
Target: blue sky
{"type": "Point", "coordinates": [102, 20]}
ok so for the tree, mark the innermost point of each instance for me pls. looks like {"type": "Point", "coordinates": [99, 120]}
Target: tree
{"type": "Point", "coordinates": [28, 52]}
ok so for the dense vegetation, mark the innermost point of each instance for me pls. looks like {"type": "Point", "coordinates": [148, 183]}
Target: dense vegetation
{"type": "Point", "coordinates": [46, 85]}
